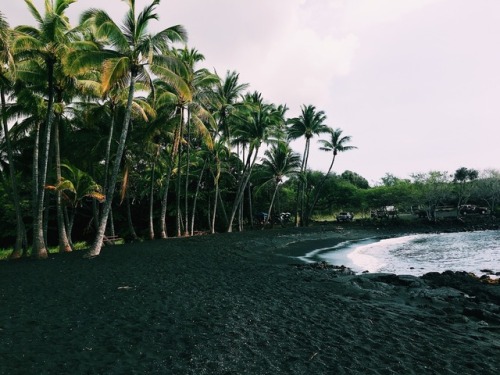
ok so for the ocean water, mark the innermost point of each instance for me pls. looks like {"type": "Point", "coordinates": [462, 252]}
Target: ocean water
{"type": "Point", "coordinates": [417, 254]}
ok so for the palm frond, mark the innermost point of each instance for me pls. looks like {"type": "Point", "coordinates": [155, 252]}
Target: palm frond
{"type": "Point", "coordinates": [173, 34]}
{"type": "Point", "coordinates": [114, 71]}
{"type": "Point", "coordinates": [80, 61]}
{"type": "Point", "coordinates": [182, 89]}
{"type": "Point", "coordinates": [107, 29]}
{"type": "Point", "coordinates": [143, 19]}
{"type": "Point", "coordinates": [34, 12]}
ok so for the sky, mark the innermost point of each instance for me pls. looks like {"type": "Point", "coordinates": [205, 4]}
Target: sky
{"type": "Point", "coordinates": [415, 83]}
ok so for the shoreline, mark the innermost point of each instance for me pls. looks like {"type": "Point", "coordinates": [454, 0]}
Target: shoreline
{"type": "Point", "coordinates": [347, 254]}
{"type": "Point", "coordinates": [238, 303]}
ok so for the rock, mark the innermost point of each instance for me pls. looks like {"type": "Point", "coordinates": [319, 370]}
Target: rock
{"type": "Point", "coordinates": [443, 293]}
{"type": "Point", "coordinates": [486, 271]}
{"type": "Point", "coordinates": [342, 270]}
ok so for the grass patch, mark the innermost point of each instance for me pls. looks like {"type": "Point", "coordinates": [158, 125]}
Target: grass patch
{"type": "Point", "coordinates": [5, 253]}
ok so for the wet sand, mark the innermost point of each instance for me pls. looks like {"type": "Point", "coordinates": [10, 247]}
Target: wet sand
{"type": "Point", "coordinates": [241, 303]}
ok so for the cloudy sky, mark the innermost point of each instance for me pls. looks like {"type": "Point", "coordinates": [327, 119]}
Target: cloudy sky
{"type": "Point", "coordinates": [416, 83]}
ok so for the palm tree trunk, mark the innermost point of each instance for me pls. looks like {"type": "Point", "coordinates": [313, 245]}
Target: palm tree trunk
{"type": "Point", "coordinates": [129, 219]}
{"type": "Point", "coordinates": [164, 202]}
{"type": "Point", "coordinates": [216, 196]}
{"type": "Point", "coordinates": [320, 187]}
{"type": "Point", "coordinates": [250, 204]}
{"type": "Point", "coordinates": [36, 173]}
{"type": "Point", "coordinates": [271, 206]}
{"type": "Point", "coordinates": [95, 249]}
{"type": "Point", "coordinates": [179, 176]}
{"type": "Point", "coordinates": [64, 245]}
{"type": "Point", "coordinates": [303, 213]}
{"type": "Point", "coordinates": [20, 228]}
{"type": "Point", "coordinates": [214, 212]}
{"type": "Point", "coordinates": [111, 222]}
{"type": "Point", "coordinates": [39, 246]}
{"type": "Point", "coordinates": [68, 222]}
{"type": "Point", "coordinates": [300, 186]}
{"type": "Point", "coordinates": [222, 207]}
{"type": "Point", "coordinates": [245, 177]}
{"type": "Point", "coordinates": [151, 201]}
{"type": "Point", "coordinates": [107, 156]}
{"type": "Point", "coordinates": [46, 216]}
{"type": "Point", "coordinates": [178, 198]}
{"type": "Point", "coordinates": [195, 199]}
{"type": "Point", "coordinates": [107, 162]}
{"type": "Point", "coordinates": [186, 184]}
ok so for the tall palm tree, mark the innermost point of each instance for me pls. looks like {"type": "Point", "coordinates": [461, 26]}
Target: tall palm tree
{"type": "Point", "coordinates": [279, 161]}
{"type": "Point", "coordinates": [337, 143]}
{"type": "Point", "coordinates": [46, 45]}
{"type": "Point", "coordinates": [308, 124]}
{"type": "Point", "coordinates": [189, 85]}
{"type": "Point", "coordinates": [104, 113]}
{"type": "Point", "coordinates": [7, 71]}
{"type": "Point", "coordinates": [198, 81]}
{"type": "Point", "coordinates": [131, 50]}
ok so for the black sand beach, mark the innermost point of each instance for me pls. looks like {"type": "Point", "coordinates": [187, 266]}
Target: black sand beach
{"type": "Point", "coordinates": [238, 303]}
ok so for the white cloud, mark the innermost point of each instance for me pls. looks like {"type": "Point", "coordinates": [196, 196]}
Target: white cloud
{"type": "Point", "coordinates": [360, 15]}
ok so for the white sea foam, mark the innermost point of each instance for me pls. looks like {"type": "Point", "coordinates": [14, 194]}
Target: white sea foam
{"type": "Point", "coordinates": [417, 254]}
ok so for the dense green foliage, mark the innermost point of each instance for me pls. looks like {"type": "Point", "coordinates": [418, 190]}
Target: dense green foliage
{"type": "Point", "coordinates": [108, 130]}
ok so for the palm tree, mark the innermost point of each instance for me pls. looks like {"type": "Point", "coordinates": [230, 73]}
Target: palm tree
{"type": "Point", "coordinates": [46, 45]}
{"type": "Point", "coordinates": [75, 187]}
{"type": "Point", "coordinates": [165, 102]}
{"type": "Point", "coordinates": [198, 81]}
{"type": "Point", "coordinates": [7, 70]}
{"type": "Point", "coordinates": [132, 49]}
{"type": "Point", "coordinates": [308, 124]}
{"type": "Point", "coordinates": [226, 101]}
{"type": "Point", "coordinates": [258, 122]}
{"type": "Point", "coordinates": [279, 161]}
{"type": "Point", "coordinates": [219, 153]}
{"type": "Point", "coordinates": [189, 85]}
{"type": "Point", "coordinates": [337, 143]}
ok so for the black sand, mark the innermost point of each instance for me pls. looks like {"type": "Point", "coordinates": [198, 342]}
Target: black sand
{"type": "Point", "coordinates": [237, 304]}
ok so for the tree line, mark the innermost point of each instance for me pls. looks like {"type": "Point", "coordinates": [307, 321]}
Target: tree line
{"type": "Point", "coordinates": [106, 115]}
{"type": "Point", "coordinates": [110, 130]}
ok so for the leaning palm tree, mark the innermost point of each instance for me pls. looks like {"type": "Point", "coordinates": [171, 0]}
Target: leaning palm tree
{"type": "Point", "coordinates": [131, 50]}
{"type": "Point", "coordinates": [280, 161]}
{"type": "Point", "coordinates": [308, 124]}
{"type": "Point", "coordinates": [337, 143]}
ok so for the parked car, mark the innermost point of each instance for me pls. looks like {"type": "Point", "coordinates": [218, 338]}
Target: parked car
{"type": "Point", "coordinates": [282, 218]}
{"type": "Point", "coordinates": [345, 216]}
{"type": "Point", "coordinates": [468, 209]}
{"type": "Point", "coordinates": [384, 212]}
{"type": "Point", "coordinates": [260, 218]}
